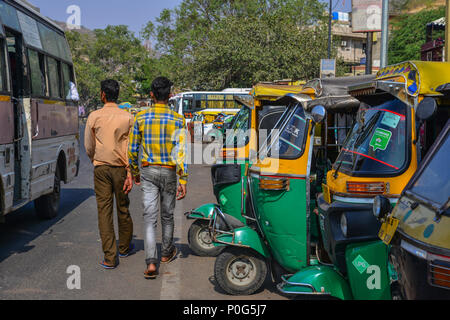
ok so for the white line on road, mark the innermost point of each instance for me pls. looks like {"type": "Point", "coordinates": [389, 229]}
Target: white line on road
{"type": "Point", "coordinates": [171, 273]}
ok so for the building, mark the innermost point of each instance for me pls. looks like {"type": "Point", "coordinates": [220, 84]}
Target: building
{"type": "Point", "coordinates": [433, 49]}
{"type": "Point", "coordinates": [352, 46]}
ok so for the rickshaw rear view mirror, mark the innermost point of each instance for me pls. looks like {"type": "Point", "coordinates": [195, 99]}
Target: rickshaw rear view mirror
{"type": "Point", "coordinates": [381, 207]}
{"type": "Point", "coordinates": [318, 113]}
{"type": "Point", "coordinates": [426, 109]}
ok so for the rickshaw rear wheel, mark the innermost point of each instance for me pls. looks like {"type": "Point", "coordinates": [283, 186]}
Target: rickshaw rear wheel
{"type": "Point", "coordinates": [200, 241]}
{"type": "Point", "coordinates": [240, 271]}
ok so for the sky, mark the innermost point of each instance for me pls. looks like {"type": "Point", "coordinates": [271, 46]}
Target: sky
{"type": "Point", "coordinates": [134, 13]}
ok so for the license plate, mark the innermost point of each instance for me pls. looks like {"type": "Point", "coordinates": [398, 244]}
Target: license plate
{"type": "Point", "coordinates": [326, 193]}
{"type": "Point", "coordinates": [388, 230]}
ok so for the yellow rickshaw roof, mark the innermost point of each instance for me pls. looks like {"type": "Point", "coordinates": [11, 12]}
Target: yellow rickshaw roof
{"type": "Point", "coordinates": [268, 91]}
{"type": "Point", "coordinates": [420, 77]}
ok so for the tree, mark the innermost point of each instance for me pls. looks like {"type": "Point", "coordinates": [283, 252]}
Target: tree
{"type": "Point", "coordinates": [409, 34]}
{"type": "Point", "coordinates": [213, 44]}
{"type": "Point", "coordinates": [110, 53]}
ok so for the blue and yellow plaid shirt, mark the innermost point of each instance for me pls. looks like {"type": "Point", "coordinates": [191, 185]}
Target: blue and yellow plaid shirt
{"type": "Point", "coordinates": [162, 134]}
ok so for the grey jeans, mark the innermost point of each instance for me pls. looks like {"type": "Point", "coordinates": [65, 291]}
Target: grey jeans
{"type": "Point", "coordinates": [159, 187]}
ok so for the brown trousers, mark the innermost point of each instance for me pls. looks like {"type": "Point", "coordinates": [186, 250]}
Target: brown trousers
{"type": "Point", "coordinates": [109, 182]}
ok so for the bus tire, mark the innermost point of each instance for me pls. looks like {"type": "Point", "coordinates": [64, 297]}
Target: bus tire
{"type": "Point", "coordinates": [240, 271]}
{"type": "Point", "coordinates": [47, 206]}
{"type": "Point", "coordinates": [200, 241]}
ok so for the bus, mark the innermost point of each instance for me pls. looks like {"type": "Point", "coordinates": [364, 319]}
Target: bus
{"type": "Point", "coordinates": [188, 103]}
{"type": "Point", "coordinates": [39, 131]}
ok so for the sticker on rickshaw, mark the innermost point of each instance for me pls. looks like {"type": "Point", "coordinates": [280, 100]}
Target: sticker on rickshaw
{"type": "Point", "coordinates": [391, 120]}
{"type": "Point", "coordinates": [380, 139]}
{"type": "Point", "coordinates": [388, 229]}
{"type": "Point", "coordinates": [326, 193]}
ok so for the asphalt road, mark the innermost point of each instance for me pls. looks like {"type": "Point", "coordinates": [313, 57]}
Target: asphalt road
{"type": "Point", "coordinates": [35, 255]}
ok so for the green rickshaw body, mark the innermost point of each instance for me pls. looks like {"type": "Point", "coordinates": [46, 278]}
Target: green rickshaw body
{"type": "Point", "coordinates": [285, 228]}
{"type": "Point", "coordinates": [366, 279]}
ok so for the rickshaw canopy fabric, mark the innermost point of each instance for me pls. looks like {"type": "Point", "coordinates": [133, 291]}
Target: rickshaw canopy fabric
{"type": "Point", "coordinates": [265, 91]}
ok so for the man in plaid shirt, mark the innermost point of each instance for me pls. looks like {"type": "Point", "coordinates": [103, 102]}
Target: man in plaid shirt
{"type": "Point", "coordinates": [162, 134]}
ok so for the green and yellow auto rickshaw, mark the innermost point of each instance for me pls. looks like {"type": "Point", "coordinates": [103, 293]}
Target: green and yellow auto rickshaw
{"type": "Point", "coordinates": [379, 157]}
{"type": "Point", "coordinates": [418, 229]}
{"type": "Point", "coordinates": [259, 114]}
{"type": "Point", "coordinates": [281, 188]}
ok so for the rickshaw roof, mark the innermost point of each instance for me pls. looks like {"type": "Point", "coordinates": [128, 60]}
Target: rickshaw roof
{"type": "Point", "coordinates": [270, 91]}
{"type": "Point", "coordinates": [336, 86]}
{"type": "Point", "coordinates": [332, 93]}
{"type": "Point", "coordinates": [419, 77]}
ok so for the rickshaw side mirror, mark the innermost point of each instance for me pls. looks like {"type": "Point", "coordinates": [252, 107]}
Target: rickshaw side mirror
{"type": "Point", "coordinates": [318, 113]}
{"type": "Point", "coordinates": [426, 109]}
{"type": "Point", "coordinates": [381, 207]}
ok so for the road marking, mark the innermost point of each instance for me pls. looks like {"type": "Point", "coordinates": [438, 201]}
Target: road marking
{"type": "Point", "coordinates": [171, 273]}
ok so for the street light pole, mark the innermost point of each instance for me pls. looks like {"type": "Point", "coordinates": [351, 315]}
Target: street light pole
{"type": "Point", "coordinates": [329, 29]}
{"type": "Point", "coordinates": [385, 33]}
{"type": "Point", "coordinates": [447, 31]}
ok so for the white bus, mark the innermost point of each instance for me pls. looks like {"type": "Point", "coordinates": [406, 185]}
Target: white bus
{"type": "Point", "coordinates": [39, 134]}
{"type": "Point", "coordinates": [188, 103]}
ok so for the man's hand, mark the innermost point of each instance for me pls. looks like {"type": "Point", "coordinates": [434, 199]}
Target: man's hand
{"type": "Point", "coordinates": [128, 185]}
{"type": "Point", "coordinates": [181, 192]}
{"type": "Point", "coordinates": [137, 180]}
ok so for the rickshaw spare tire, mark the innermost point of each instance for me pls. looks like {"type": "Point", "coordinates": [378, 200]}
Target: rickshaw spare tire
{"type": "Point", "coordinates": [197, 243]}
{"type": "Point", "coordinates": [240, 271]}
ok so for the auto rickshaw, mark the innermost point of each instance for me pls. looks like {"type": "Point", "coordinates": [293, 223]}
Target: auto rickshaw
{"type": "Point", "coordinates": [261, 112]}
{"type": "Point", "coordinates": [281, 188]}
{"type": "Point", "coordinates": [379, 157]}
{"type": "Point", "coordinates": [418, 229]}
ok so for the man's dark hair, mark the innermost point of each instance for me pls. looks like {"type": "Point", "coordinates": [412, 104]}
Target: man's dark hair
{"type": "Point", "coordinates": [161, 87]}
{"type": "Point", "coordinates": [111, 88]}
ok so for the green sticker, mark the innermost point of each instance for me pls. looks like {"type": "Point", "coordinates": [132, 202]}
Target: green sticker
{"type": "Point", "coordinates": [391, 120]}
{"type": "Point", "coordinates": [360, 264]}
{"type": "Point", "coordinates": [380, 139]}
{"type": "Point", "coordinates": [223, 200]}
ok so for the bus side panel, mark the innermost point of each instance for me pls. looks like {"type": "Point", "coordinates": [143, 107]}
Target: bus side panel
{"type": "Point", "coordinates": [7, 176]}
{"type": "Point", "coordinates": [7, 116]}
{"type": "Point", "coordinates": [54, 120]}
{"type": "Point", "coordinates": [7, 153]}
{"type": "Point", "coordinates": [45, 159]}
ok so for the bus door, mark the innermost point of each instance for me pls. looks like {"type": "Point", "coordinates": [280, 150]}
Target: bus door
{"type": "Point", "coordinates": [6, 129]}
{"type": "Point", "coordinates": [18, 80]}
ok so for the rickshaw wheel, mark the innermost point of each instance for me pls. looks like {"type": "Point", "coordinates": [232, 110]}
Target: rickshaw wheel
{"type": "Point", "coordinates": [240, 271]}
{"type": "Point", "coordinates": [200, 240]}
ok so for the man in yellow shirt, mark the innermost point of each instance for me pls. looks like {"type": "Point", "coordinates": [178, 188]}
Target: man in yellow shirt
{"type": "Point", "coordinates": [162, 134]}
{"type": "Point", "coordinates": [106, 142]}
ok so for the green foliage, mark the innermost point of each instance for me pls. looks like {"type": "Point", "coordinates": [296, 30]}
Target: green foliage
{"type": "Point", "coordinates": [206, 45]}
{"type": "Point", "coordinates": [409, 34]}
{"type": "Point", "coordinates": [112, 53]}
{"type": "Point", "coordinates": [214, 44]}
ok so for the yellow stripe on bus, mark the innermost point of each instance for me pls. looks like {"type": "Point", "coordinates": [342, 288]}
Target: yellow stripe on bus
{"type": "Point", "coordinates": [5, 98]}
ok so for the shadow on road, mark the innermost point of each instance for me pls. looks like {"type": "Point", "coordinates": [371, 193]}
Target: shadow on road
{"type": "Point", "coordinates": [22, 226]}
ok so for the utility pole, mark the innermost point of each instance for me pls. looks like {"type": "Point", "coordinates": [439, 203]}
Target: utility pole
{"type": "Point", "coordinates": [329, 28]}
{"type": "Point", "coordinates": [447, 31]}
{"type": "Point", "coordinates": [385, 33]}
{"type": "Point", "coordinates": [369, 52]}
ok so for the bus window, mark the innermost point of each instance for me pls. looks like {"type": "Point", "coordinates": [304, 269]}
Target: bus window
{"type": "Point", "coordinates": [38, 81]}
{"type": "Point", "coordinates": [68, 80]}
{"type": "Point", "coordinates": [9, 16]}
{"type": "Point", "coordinates": [49, 40]}
{"type": "Point", "coordinates": [3, 81]}
{"type": "Point", "coordinates": [54, 78]}
{"type": "Point", "coordinates": [18, 64]}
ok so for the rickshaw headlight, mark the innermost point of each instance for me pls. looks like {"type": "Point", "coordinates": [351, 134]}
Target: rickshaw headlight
{"type": "Point", "coordinates": [344, 225]}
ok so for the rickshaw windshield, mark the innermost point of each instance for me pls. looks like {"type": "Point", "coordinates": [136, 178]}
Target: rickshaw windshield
{"type": "Point", "coordinates": [433, 183]}
{"type": "Point", "coordinates": [377, 142]}
{"type": "Point", "coordinates": [237, 135]}
{"type": "Point", "coordinates": [290, 143]}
